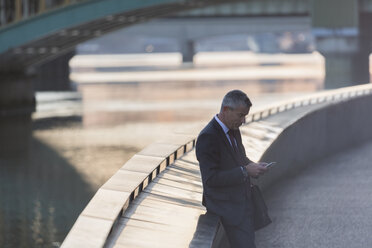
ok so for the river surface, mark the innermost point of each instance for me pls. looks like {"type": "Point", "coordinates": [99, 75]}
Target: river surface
{"type": "Point", "coordinates": [76, 140]}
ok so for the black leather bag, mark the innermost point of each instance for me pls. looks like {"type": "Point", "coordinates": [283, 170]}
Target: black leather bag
{"type": "Point", "coordinates": [261, 217]}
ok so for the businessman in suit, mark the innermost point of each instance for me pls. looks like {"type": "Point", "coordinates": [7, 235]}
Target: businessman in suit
{"type": "Point", "coordinates": [226, 170]}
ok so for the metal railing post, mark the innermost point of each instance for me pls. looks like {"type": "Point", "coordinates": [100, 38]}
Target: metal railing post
{"type": "Point", "coordinates": [41, 6]}
{"type": "Point", "coordinates": [18, 10]}
{"type": "Point", "coordinates": [2, 13]}
{"type": "Point", "coordinates": [26, 8]}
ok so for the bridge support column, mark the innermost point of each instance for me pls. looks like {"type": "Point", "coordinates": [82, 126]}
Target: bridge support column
{"type": "Point", "coordinates": [17, 102]}
{"type": "Point", "coordinates": [344, 65]}
{"type": "Point", "coordinates": [187, 50]}
{"type": "Point", "coordinates": [340, 40]}
{"type": "Point", "coordinates": [16, 93]}
{"type": "Point", "coordinates": [54, 75]}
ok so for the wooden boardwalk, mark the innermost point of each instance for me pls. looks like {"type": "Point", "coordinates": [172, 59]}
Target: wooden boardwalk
{"type": "Point", "coordinates": [154, 200]}
{"type": "Point", "coordinates": [166, 214]}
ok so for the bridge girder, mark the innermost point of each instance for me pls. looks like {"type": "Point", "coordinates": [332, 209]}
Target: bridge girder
{"type": "Point", "coordinates": [62, 29]}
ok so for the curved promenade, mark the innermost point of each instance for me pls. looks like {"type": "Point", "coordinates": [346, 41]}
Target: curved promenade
{"type": "Point", "coordinates": [328, 204]}
{"type": "Point", "coordinates": [163, 189]}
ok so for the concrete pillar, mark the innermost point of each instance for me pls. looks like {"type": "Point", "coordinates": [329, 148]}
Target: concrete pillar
{"type": "Point", "coordinates": [17, 102]}
{"type": "Point", "coordinates": [54, 75]}
{"type": "Point", "coordinates": [346, 62]}
{"type": "Point", "coordinates": [343, 69]}
{"type": "Point", "coordinates": [16, 93]}
{"type": "Point", "coordinates": [365, 41]}
{"type": "Point", "coordinates": [187, 50]}
{"type": "Point", "coordinates": [338, 39]}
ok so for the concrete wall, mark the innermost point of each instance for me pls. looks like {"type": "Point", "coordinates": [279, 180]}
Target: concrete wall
{"type": "Point", "coordinates": [323, 132]}
{"type": "Point", "coordinates": [320, 133]}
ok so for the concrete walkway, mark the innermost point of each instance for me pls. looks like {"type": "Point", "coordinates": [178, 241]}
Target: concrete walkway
{"type": "Point", "coordinates": [168, 213]}
{"type": "Point", "coordinates": [326, 205]}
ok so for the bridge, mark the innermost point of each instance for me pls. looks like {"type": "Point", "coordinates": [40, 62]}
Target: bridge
{"type": "Point", "coordinates": [154, 200]}
{"type": "Point", "coordinates": [34, 33]}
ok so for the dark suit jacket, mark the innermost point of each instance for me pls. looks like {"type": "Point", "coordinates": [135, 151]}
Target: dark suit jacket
{"type": "Point", "coordinates": [225, 190]}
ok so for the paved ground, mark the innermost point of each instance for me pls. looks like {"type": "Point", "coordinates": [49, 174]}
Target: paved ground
{"type": "Point", "coordinates": [326, 205]}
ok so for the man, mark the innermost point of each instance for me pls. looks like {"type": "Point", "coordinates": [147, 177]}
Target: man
{"type": "Point", "coordinates": [226, 170]}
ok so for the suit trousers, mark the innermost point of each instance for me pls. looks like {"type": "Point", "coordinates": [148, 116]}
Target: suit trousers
{"type": "Point", "coordinates": [242, 235]}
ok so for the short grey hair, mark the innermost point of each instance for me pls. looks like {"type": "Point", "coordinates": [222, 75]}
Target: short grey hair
{"type": "Point", "coordinates": [236, 98]}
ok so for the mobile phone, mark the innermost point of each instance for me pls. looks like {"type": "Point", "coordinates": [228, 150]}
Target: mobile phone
{"type": "Point", "coordinates": [268, 165]}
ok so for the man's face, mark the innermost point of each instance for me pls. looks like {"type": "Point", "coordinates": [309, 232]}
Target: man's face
{"type": "Point", "coordinates": [235, 117]}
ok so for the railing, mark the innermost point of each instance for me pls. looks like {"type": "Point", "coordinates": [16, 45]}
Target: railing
{"type": "Point", "coordinates": [12, 11]}
{"type": "Point", "coordinates": [97, 220]}
{"type": "Point", "coordinates": [322, 97]}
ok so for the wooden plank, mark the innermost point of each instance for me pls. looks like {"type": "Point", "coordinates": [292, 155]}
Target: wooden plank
{"type": "Point", "coordinates": [181, 177]}
{"type": "Point", "coordinates": [177, 139]}
{"type": "Point", "coordinates": [180, 152]}
{"type": "Point", "coordinates": [125, 181]}
{"type": "Point", "coordinates": [107, 204]}
{"type": "Point", "coordinates": [152, 235]}
{"type": "Point", "coordinates": [146, 197]}
{"type": "Point", "coordinates": [155, 235]}
{"type": "Point", "coordinates": [180, 182]}
{"type": "Point", "coordinates": [189, 146]}
{"type": "Point", "coordinates": [188, 162]}
{"type": "Point", "coordinates": [88, 232]}
{"type": "Point", "coordinates": [172, 158]}
{"type": "Point", "coordinates": [144, 164]}
{"type": "Point", "coordinates": [193, 177]}
{"type": "Point", "coordinates": [182, 171]}
{"type": "Point", "coordinates": [170, 212]}
{"type": "Point", "coordinates": [159, 150]}
{"type": "Point", "coordinates": [159, 187]}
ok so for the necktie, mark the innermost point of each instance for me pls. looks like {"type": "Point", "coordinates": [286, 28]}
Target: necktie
{"type": "Point", "coordinates": [232, 139]}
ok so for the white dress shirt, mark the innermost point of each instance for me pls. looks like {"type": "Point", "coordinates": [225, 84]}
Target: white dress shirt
{"type": "Point", "coordinates": [224, 128]}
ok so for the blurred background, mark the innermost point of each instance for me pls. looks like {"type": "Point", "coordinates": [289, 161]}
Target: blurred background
{"type": "Point", "coordinates": [80, 97]}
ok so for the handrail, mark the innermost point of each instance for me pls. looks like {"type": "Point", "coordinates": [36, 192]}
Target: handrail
{"type": "Point", "coordinates": [15, 11]}
{"type": "Point", "coordinates": [97, 220]}
{"type": "Point", "coordinates": [326, 96]}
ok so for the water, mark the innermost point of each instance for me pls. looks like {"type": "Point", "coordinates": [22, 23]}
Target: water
{"type": "Point", "coordinates": [40, 193]}
{"type": "Point", "coordinates": [54, 164]}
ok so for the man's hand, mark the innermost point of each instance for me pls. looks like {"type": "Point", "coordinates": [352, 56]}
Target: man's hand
{"type": "Point", "coordinates": [256, 169]}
